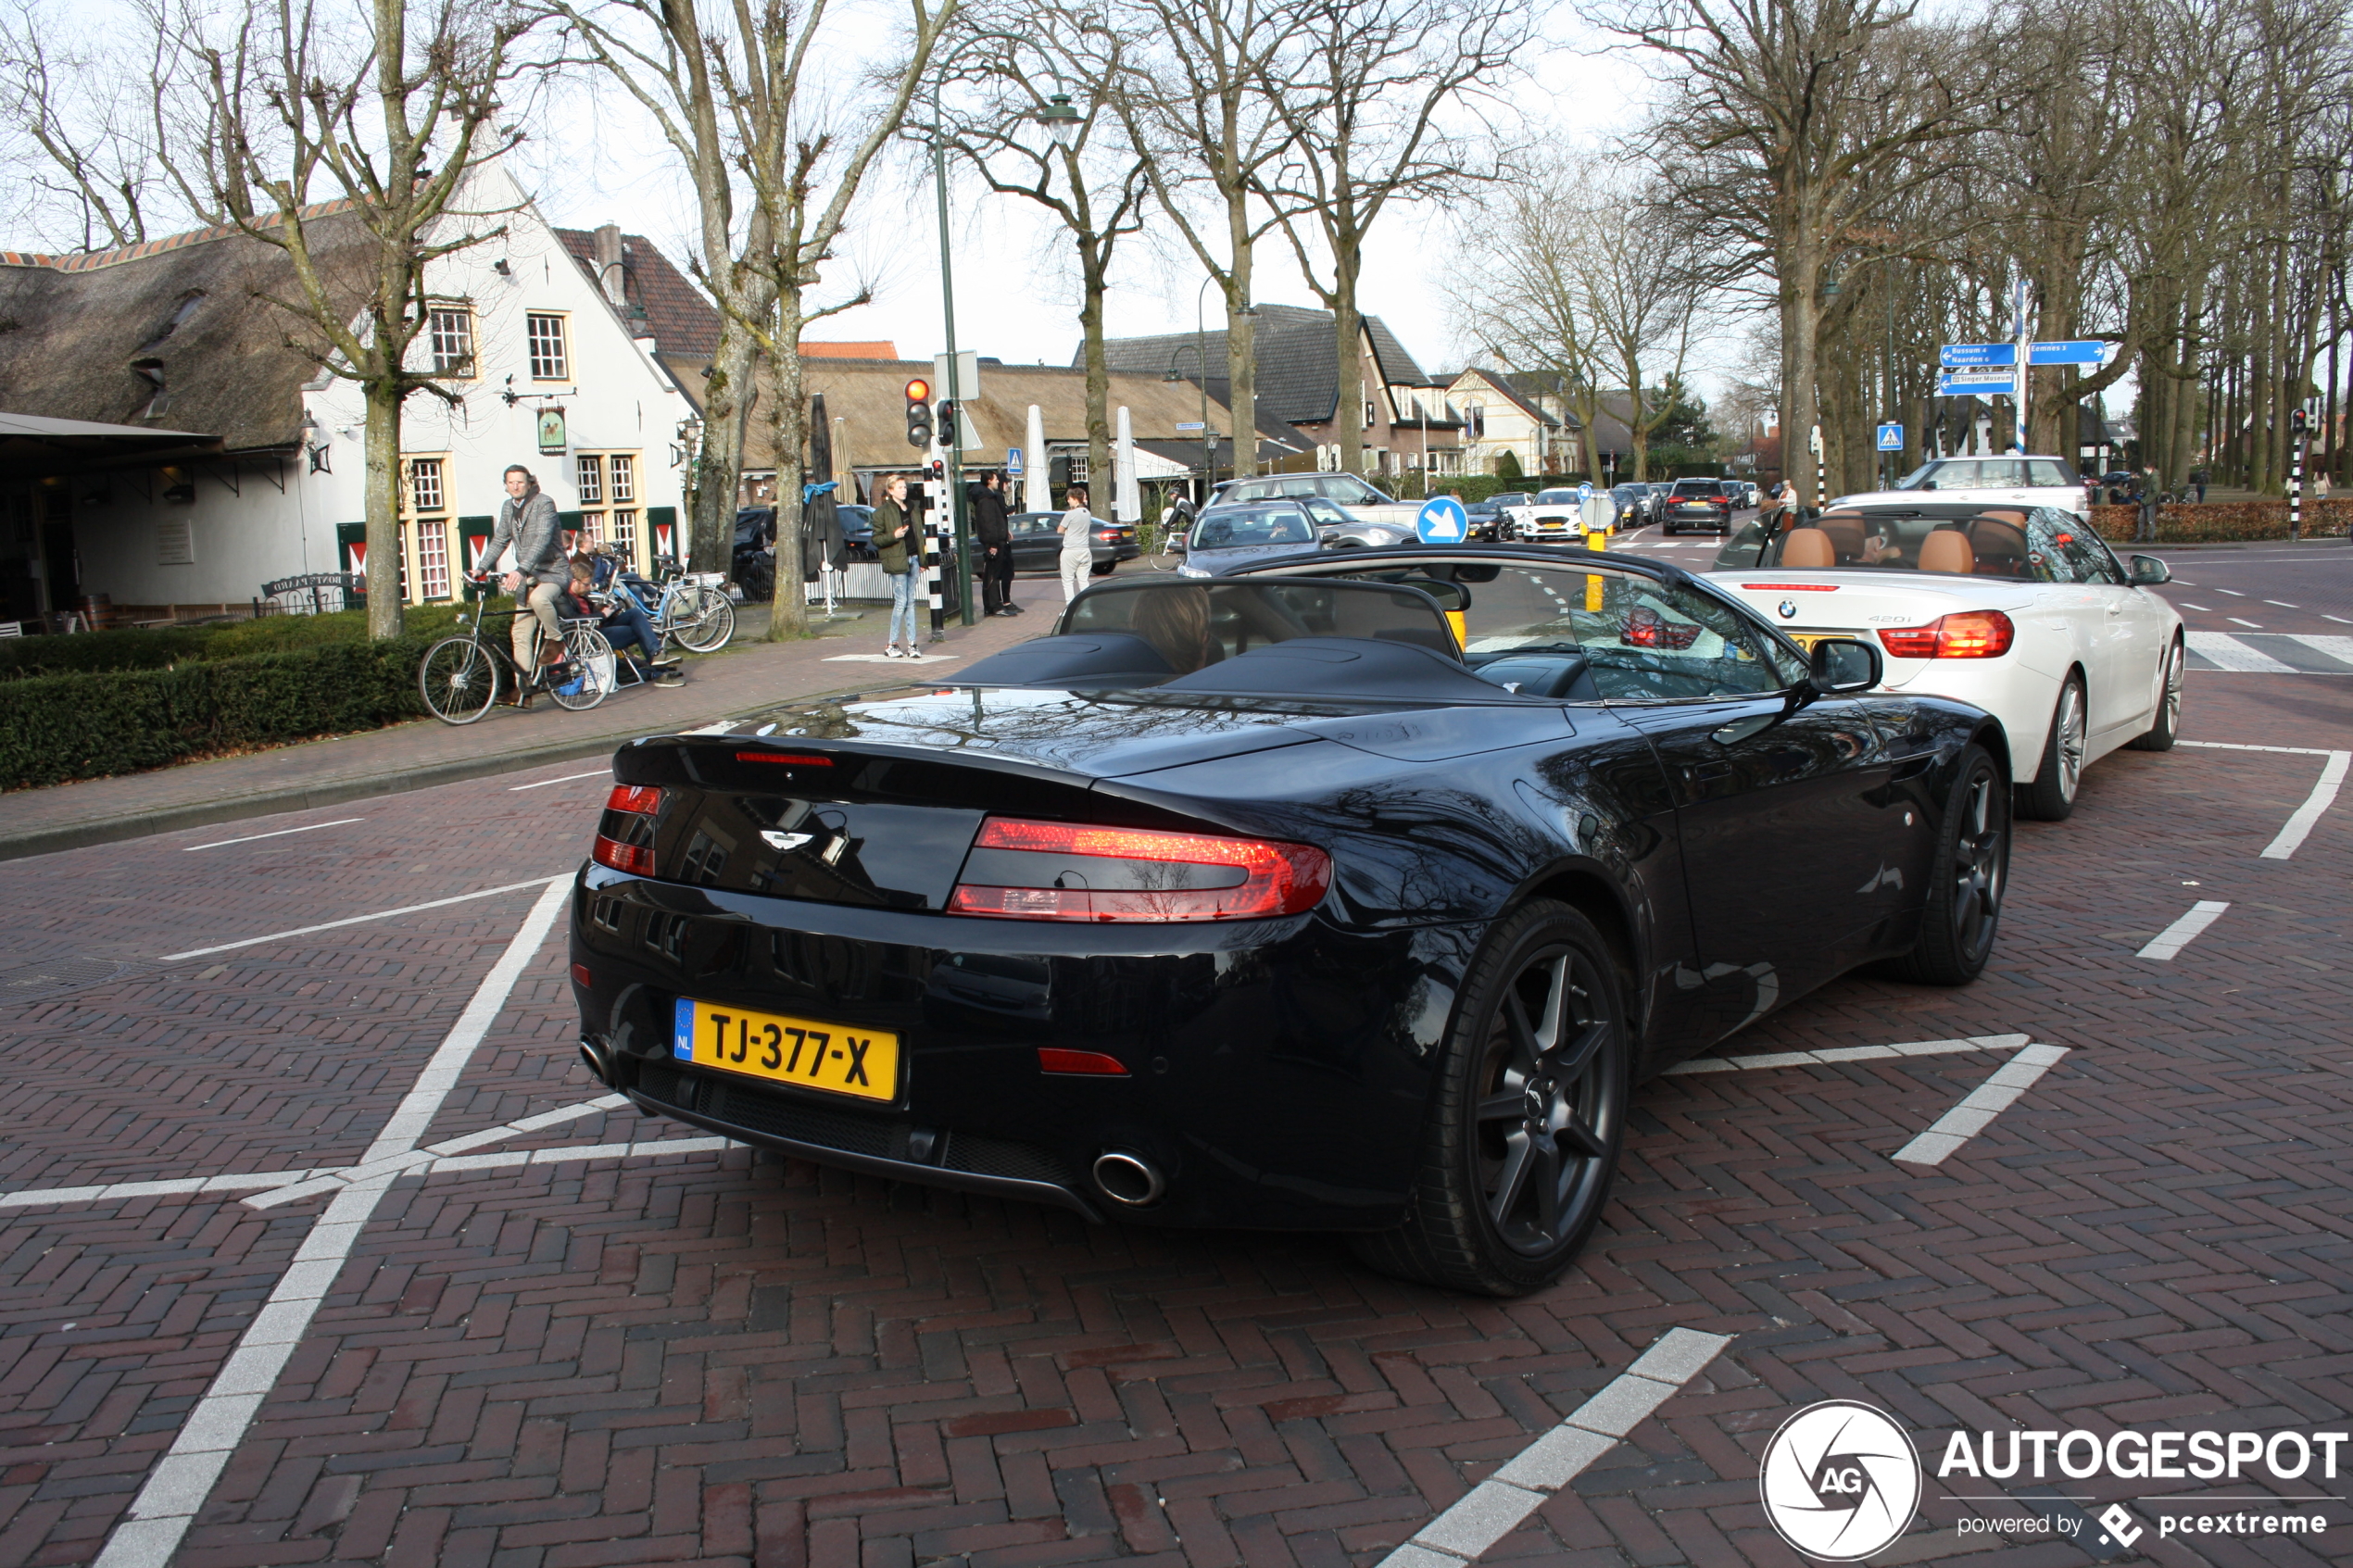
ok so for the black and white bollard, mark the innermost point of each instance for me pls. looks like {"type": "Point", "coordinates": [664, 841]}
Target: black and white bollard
{"type": "Point", "coordinates": [2296, 486]}
{"type": "Point", "coordinates": [931, 580]}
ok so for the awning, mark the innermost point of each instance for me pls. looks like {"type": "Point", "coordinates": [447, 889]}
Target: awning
{"type": "Point", "coordinates": [33, 445]}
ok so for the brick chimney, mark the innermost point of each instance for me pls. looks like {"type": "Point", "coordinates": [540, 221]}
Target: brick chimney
{"type": "Point", "coordinates": [612, 276]}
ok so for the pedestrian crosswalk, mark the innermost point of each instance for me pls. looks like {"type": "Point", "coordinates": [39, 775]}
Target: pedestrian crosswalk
{"type": "Point", "coordinates": [2269, 653]}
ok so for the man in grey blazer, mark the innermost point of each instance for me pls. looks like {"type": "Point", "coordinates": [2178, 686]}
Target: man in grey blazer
{"type": "Point", "coordinates": [540, 569]}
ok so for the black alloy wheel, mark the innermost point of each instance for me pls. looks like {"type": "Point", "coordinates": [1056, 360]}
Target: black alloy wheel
{"type": "Point", "coordinates": [1529, 1115]}
{"type": "Point", "coordinates": [1963, 911]}
{"type": "Point", "coordinates": [2168, 727]}
{"type": "Point", "coordinates": [2051, 797]}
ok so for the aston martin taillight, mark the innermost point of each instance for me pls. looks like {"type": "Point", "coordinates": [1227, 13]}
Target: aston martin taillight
{"type": "Point", "coordinates": [626, 833]}
{"type": "Point", "coordinates": [1023, 869]}
{"type": "Point", "coordinates": [1969, 633]}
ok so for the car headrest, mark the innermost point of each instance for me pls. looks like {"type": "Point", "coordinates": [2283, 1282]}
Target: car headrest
{"type": "Point", "coordinates": [1947, 549]}
{"type": "Point", "coordinates": [1808, 549]}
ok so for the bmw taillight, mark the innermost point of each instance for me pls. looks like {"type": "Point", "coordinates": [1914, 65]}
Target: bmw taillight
{"type": "Point", "coordinates": [1969, 633]}
{"type": "Point", "coordinates": [626, 833]}
{"type": "Point", "coordinates": [1024, 870]}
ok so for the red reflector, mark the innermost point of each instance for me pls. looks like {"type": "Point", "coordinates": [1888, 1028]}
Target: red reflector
{"type": "Point", "coordinates": [581, 978]}
{"type": "Point", "coordinates": [785, 759]}
{"type": "Point", "coordinates": [1053, 1059]}
{"type": "Point", "coordinates": [637, 860]}
{"type": "Point", "coordinates": [1280, 878]}
{"type": "Point", "coordinates": [1969, 633]}
{"type": "Point", "coordinates": [644, 799]}
{"type": "Point", "coordinates": [1794, 587]}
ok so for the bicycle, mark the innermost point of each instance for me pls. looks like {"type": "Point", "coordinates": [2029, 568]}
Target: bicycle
{"type": "Point", "coordinates": [459, 677]}
{"type": "Point", "coordinates": [688, 609]}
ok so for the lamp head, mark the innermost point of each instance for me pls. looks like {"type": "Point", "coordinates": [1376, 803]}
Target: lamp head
{"type": "Point", "coordinates": [1061, 118]}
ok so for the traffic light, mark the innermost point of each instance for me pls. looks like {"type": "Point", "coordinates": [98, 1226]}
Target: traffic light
{"type": "Point", "coordinates": [2298, 421]}
{"type": "Point", "coordinates": [919, 413]}
{"type": "Point", "coordinates": [947, 425]}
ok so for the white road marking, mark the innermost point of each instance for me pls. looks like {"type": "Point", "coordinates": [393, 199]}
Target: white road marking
{"type": "Point", "coordinates": [257, 838]}
{"type": "Point", "coordinates": [567, 778]}
{"type": "Point", "coordinates": [2301, 822]}
{"type": "Point", "coordinates": [2338, 619]}
{"type": "Point", "coordinates": [1495, 1507]}
{"type": "Point", "coordinates": [40, 1197]}
{"type": "Point", "coordinates": [176, 1488]}
{"type": "Point", "coordinates": [2182, 932]}
{"type": "Point", "coordinates": [2250, 625]}
{"type": "Point", "coordinates": [2233, 592]}
{"type": "Point", "coordinates": [362, 920]}
{"type": "Point", "coordinates": [2223, 648]}
{"type": "Point", "coordinates": [1984, 1103]}
{"type": "Point", "coordinates": [2338, 648]}
{"type": "Point", "coordinates": [1846, 1053]}
{"type": "Point", "coordinates": [886, 659]}
{"type": "Point", "coordinates": [2282, 603]}
{"type": "Point", "coordinates": [421, 1158]}
{"type": "Point", "coordinates": [2200, 608]}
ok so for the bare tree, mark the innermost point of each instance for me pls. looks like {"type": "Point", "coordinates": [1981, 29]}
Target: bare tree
{"type": "Point", "coordinates": [1364, 91]}
{"type": "Point", "coordinates": [1095, 182]}
{"type": "Point", "coordinates": [1195, 96]}
{"type": "Point", "coordinates": [88, 144]}
{"type": "Point", "coordinates": [775, 171]}
{"type": "Point", "coordinates": [386, 112]}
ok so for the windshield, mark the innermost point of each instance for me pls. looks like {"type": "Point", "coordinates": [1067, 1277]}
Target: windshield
{"type": "Point", "coordinates": [1512, 498]}
{"type": "Point", "coordinates": [2026, 545]}
{"type": "Point", "coordinates": [1555, 497]}
{"type": "Point", "coordinates": [1236, 528]}
{"type": "Point", "coordinates": [1195, 624]}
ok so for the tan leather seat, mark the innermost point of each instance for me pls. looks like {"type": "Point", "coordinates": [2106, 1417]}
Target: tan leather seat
{"type": "Point", "coordinates": [1947, 549]}
{"type": "Point", "coordinates": [1808, 549]}
{"type": "Point", "coordinates": [1997, 542]}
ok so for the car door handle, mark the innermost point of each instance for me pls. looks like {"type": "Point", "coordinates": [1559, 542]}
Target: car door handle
{"type": "Point", "coordinates": [1709, 772]}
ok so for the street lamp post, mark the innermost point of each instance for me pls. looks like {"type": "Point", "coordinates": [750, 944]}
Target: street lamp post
{"type": "Point", "coordinates": [1061, 118]}
{"type": "Point", "coordinates": [1200, 358]}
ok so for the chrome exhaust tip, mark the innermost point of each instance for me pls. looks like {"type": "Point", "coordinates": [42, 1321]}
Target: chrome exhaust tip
{"type": "Point", "coordinates": [1129, 1180]}
{"type": "Point", "coordinates": [595, 1058]}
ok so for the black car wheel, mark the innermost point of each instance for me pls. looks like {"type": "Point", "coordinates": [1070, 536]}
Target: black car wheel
{"type": "Point", "coordinates": [1529, 1115]}
{"type": "Point", "coordinates": [2051, 797]}
{"type": "Point", "coordinates": [1965, 886]}
{"type": "Point", "coordinates": [2162, 734]}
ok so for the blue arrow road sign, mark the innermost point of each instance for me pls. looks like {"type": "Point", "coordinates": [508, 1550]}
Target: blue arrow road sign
{"type": "Point", "coordinates": [1953, 355]}
{"type": "Point", "coordinates": [2088, 352]}
{"type": "Point", "coordinates": [1891, 438]}
{"type": "Point", "coordinates": [1975, 386]}
{"type": "Point", "coordinates": [1443, 520]}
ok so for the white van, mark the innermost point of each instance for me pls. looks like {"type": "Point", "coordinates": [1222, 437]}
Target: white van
{"type": "Point", "coordinates": [2013, 480]}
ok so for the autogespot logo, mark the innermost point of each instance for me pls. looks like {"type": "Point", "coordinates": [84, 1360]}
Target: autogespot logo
{"type": "Point", "coordinates": [1840, 1481]}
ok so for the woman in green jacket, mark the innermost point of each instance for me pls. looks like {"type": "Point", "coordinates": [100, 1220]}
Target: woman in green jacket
{"type": "Point", "coordinates": [896, 543]}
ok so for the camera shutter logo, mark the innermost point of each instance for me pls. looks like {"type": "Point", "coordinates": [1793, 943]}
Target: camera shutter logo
{"type": "Point", "coordinates": [1840, 1481]}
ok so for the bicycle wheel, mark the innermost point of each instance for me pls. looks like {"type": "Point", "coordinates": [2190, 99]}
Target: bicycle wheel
{"type": "Point", "coordinates": [575, 683]}
{"type": "Point", "coordinates": [458, 679]}
{"type": "Point", "coordinates": [709, 624]}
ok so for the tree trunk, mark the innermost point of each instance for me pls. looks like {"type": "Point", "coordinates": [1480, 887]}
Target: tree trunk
{"type": "Point", "coordinates": [1801, 346]}
{"type": "Point", "coordinates": [711, 529]}
{"type": "Point", "coordinates": [383, 503]}
{"type": "Point", "coordinates": [788, 435]}
{"type": "Point", "coordinates": [1347, 332]}
{"type": "Point", "coordinates": [1091, 328]}
{"type": "Point", "coordinates": [1241, 342]}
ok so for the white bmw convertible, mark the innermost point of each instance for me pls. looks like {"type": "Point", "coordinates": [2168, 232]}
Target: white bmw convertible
{"type": "Point", "coordinates": [2024, 612]}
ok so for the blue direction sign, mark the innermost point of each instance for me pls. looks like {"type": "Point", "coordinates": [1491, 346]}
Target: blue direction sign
{"type": "Point", "coordinates": [1891, 438]}
{"type": "Point", "coordinates": [1443, 520]}
{"type": "Point", "coordinates": [2088, 352]}
{"type": "Point", "coordinates": [1976, 386]}
{"type": "Point", "coordinates": [1954, 356]}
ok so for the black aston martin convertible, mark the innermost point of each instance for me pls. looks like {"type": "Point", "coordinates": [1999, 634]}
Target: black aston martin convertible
{"type": "Point", "coordinates": [1346, 893]}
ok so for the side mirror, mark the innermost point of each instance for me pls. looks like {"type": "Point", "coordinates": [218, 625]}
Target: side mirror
{"type": "Point", "coordinates": [2148, 572]}
{"type": "Point", "coordinates": [1845, 664]}
{"type": "Point", "coordinates": [1175, 545]}
{"type": "Point", "coordinates": [1327, 535]}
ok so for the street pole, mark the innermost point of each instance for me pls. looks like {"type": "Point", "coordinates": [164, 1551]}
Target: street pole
{"type": "Point", "coordinates": [2024, 350]}
{"type": "Point", "coordinates": [1200, 361]}
{"type": "Point", "coordinates": [2295, 476]}
{"type": "Point", "coordinates": [954, 440]}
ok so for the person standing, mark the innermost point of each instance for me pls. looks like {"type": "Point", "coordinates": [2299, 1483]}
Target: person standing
{"type": "Point", "coordinates": [2145, 495]}
{"type": "Point", "coordinates": [538, 575]}
{"type": "Point", "coordinates": [1077, 529]}
{"type": "Point", "coordinates": [2198, 479]}
{"type": "Point", "coordinates": [995, 536]}
{"type": "Point", "coordinates": [895, 544]}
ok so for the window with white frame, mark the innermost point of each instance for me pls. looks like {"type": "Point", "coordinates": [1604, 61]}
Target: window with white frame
{"type": "Point", "coordinates": [590, 467]}
{"type": "Point", "coordinates": [545, 335]}
{"type": "Point", "coordinates": [625, 478]}
{"type": "Point", "coordinates": [449, 333]}
{"type": "Point", "coordinates": [425, 530]}
{"type": "Point", "coordinates": [624, 535]}
{"type": "Point", "coordinates": [432, 557]}
{"type": "Point", "coordinates": [1369, 414]}
{"type": "Point", "coordinates": [425, 492]}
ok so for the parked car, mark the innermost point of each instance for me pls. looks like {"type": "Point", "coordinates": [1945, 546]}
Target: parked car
{"type": "Point", "coordinates": [2006, 481]}
{"type": "Point", "coordinates": [1226, 536]}
{"type": "Point", "coordinates": [1487, 517]}
{"type": "Point", "coordinates": [1037, 542]}
{"type": "Point", "coordinates": [2023, 611]}
{"type": "Point", "coordinates": [1704, 503]}
{"type": "Point", "coordinates": [1550, 515]}
{"type": "Point", "coordinates": [1329, 927]}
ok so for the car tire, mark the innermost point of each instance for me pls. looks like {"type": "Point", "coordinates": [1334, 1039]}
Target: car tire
{"type": "Point", "coordinates": [1523, 1136]}
{"type": "Point", "coordinates": [2167, 728]}
{"type": "Point", "coordinates": [2051, 797]}
{"type": "Point", "coordinates": [1963, 911]}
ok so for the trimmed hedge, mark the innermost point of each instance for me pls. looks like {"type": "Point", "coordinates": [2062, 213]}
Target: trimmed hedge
{"type": "Point", "coordinates": [160, 647]}
{"type": "Point", "coordinates": [56, 728]}
{"type": "Point", "coordinates": [2217, 522]}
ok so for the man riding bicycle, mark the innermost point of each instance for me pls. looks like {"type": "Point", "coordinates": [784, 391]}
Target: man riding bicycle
{"type": "Point", "coordinates": [539, 572]}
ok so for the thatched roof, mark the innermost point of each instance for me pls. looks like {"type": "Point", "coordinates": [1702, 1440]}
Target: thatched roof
{"type": "Point", "coordinates": [870, 394]}
{"type": "Point", "coordinates": [86, 336]}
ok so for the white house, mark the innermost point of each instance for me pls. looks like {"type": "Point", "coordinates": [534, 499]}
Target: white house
{"type": "Point", "coordinates": [543, 367]}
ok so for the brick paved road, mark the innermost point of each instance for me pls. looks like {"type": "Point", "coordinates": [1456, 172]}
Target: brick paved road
{"type": "Point", "coordinates": [726, 1358]}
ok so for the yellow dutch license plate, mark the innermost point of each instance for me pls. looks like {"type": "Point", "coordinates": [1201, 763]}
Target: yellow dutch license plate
{"type": "Point", "coordinates": [839, 1060]}
{"type": "Point", "coordinates": [1807, 639]}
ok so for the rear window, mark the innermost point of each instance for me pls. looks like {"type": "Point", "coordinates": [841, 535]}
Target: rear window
{"type": "Point", "coordinates": [1707, 487]}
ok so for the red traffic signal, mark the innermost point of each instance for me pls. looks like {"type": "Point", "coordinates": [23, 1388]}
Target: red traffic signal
{"type": "Point", "coordinates": [918, 390]}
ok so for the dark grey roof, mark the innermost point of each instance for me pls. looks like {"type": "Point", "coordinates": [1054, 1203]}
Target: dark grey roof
{"type": "Point", "coordinates": [1298, 363]}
